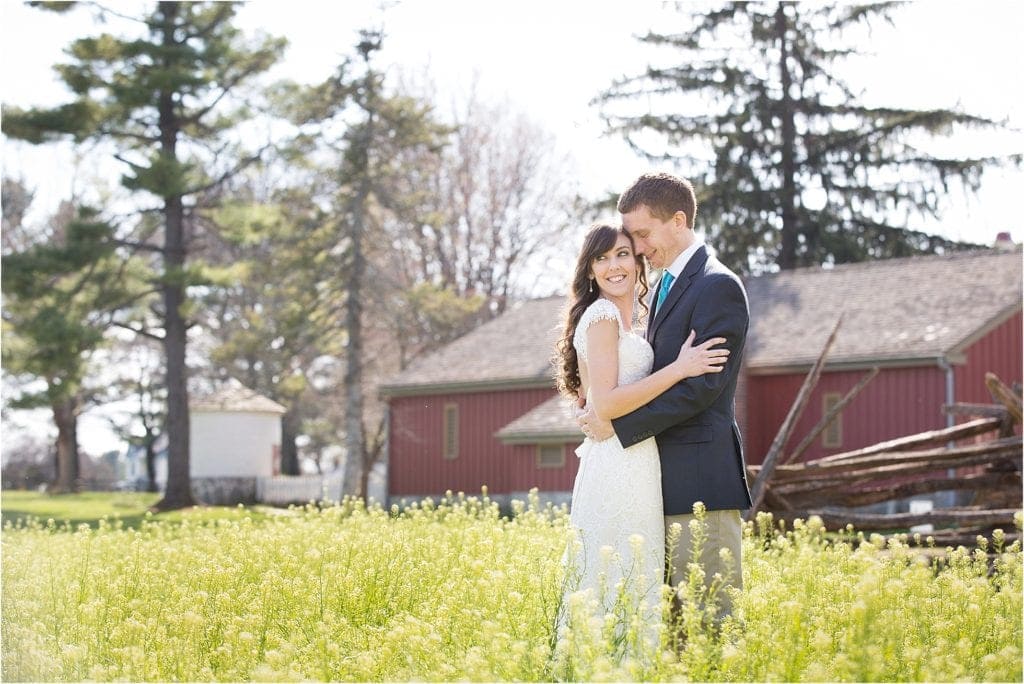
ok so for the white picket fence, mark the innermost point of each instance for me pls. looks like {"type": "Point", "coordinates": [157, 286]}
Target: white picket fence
{"type": "Point", "coordinates": [288, 489]}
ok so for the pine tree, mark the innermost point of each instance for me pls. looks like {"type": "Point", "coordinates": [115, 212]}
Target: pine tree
{"type": "Point", "coordinates": [377, 129]}
{"type": "Point", "coordinates": [800, 173]}
{"type": "Point", "coordinates": [160, 99]}
{"type": "Point", "coordinates": [59, 295]}
{"type": "Point", "coordinates": [274, 324]}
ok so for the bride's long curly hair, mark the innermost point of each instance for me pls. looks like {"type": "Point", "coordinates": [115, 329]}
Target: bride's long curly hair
{"type": "Point", "coordinates": [599, 239]}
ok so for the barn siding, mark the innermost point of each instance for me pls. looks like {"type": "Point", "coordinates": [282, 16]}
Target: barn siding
{"type": "Point", "coordinates": [740, 402]}
{"type": "Point", "coordinates": [416, 465]}
{"type": "Point", "coordinates": [899, 401]}
{"type": "Point", "coordinates": [525, 475]}
{"type": "Point", "coordinates": [999, 352]}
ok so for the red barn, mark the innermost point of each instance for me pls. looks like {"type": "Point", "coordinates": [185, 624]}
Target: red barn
{"type": "Point", "coordinates": [448, 410]}
{"type": "Point", "coordinates": [483, 411]}
{"type": "Point", "coordinates": [933, 325]}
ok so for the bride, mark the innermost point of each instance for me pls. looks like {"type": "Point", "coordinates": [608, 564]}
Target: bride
{"type": "Point", "coordinates": [615, 566]}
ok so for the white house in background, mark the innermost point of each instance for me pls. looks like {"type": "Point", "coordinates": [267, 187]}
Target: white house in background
{"type": "Point", "coordinates": [235, 455]}
{"type": "Point", "coordinates": [235, 440]}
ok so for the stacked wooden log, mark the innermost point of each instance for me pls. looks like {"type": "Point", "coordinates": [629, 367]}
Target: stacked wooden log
{"type": "Point", "coordinates": [980, 458]}
{"type": "Point", "coordinates": [902, 468]}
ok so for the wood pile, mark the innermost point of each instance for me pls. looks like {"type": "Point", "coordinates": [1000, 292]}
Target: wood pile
{"type": "Point", "coordinates": [980, 458]}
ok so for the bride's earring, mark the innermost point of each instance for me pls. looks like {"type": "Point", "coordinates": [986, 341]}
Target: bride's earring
{"type": "Point", "coordinates": [591, 285]}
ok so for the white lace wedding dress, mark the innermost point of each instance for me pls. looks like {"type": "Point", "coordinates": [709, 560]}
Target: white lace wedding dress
{"type": "Point", "coordinates": [617, 507]}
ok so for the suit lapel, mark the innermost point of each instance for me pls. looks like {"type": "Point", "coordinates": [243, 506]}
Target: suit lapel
{"type": "Point", "coordinates": [693, 267]}
{"type": "Point", "coordinates": [652, 307]}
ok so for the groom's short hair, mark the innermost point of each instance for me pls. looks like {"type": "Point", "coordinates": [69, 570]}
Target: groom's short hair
{"type": "Point", "coordinates": [663, 194]}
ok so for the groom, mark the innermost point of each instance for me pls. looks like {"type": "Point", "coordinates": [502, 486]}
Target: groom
{"type": "Point", "coordinates": [694, 421]}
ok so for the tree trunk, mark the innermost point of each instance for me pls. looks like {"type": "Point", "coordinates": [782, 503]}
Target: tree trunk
{"type": "Point", "coordinates": [65, 415]}
{"type": "Point", "coordinates": [289, 450]}
{"type": "Point", "coordinates": [374, 449]}
{"type": "Point", "coordinates": [787, 255]}
{"type": "Point", "coordinates": [355, 440]}
{"type": "Point", "coordinates": [179, 486]}
{"type": "Point", "coordinates": [179, 489]}
{"type": "Point", "coordinates": [364, 480]}
{"type": "Point", "coordinates": [151, 485]}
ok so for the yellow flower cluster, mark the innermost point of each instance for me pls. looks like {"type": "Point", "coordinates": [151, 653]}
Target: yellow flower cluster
{"type": "Point", "coordinates": [453, 590]}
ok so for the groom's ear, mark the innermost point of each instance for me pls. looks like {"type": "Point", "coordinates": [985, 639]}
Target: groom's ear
{"type": "Point", "coordinates": [681, 219]}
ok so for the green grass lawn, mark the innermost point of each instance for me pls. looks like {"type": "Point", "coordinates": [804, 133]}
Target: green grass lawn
{"type": "Point", "coordinates": [88, 508]}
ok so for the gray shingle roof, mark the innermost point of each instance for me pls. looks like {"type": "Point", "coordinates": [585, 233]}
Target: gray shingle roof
{"type": "Point", "coordinates": [551, 420]}
{"type": "Point", "coordinates": [235, 398]}
{"type": "Point", "coordinates": [896, 310]}
{"type": "Point", "coordinates": [908, 309]}
{"type": "Point", "coordinates": [514, 349]}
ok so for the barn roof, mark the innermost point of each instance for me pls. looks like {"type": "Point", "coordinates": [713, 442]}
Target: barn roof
{"type": "Point", "coordinates": [907, 310]}
{"type": "Point", "coordinates": [552, 420]}
{"type": "Point", "coordinates": [513, 350]}
{"type": "Point", "coordinates": [235, 398]}
{"type": "Point", "coordinates": [898, 311]}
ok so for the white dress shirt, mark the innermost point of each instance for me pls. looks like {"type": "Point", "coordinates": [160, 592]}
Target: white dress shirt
{"type": "Point", "coordinates": [677, 266]}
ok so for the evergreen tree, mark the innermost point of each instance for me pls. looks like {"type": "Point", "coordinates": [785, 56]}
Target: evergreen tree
{"type": "Point", "coordinates": [59, 295]}
{"type": "Point", "coordinates": [159, 99]}
{"type": "Point", "coordinates": [800, 173]}
{"type": "Point", "coordinates": [361, 133]}
{"type": "Point", "coordinates": [276, 320]}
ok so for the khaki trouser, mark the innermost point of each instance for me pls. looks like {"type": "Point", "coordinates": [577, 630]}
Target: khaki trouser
{"type": "Point", "coordinates": [724, 530]}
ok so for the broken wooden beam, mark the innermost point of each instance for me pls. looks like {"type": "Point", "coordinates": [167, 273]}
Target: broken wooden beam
{"type": "Point", "coordinates": [782, 436]}
{"type": "Point", "coordinates": [961, 408]}
{"type": "Point", "coordinates": [827, 419]}
{"type": "Point", "coordinates": [890, 463]}
{"type": "Point", "coordinates": [842, 494]}
{"type": "Point", "coordinates": [1004, 395]}
{"type": "Point", "coordinates": [873, 522]}
{"type": "Point", "coordinates": [950, 434]}
{"type": "Point", "coordinates": [968, 536]}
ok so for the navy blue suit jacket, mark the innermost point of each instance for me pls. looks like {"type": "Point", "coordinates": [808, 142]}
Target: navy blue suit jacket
{"type": "Point", "coordinates": [694, 422]}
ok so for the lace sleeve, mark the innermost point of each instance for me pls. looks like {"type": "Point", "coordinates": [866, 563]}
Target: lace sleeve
{"type": "Point", "coordinates": [600, 310]}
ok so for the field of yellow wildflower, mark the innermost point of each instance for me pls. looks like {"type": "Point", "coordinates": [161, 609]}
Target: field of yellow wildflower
{"type": "Point", "coordinates": [454, 591]}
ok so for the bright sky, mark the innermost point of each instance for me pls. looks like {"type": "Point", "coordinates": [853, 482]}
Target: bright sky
{"type": "Point", "coordinates": [549, 58]}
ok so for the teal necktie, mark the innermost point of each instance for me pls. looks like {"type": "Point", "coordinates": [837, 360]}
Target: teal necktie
{"type": "Point", "coordinates": [664, 287]}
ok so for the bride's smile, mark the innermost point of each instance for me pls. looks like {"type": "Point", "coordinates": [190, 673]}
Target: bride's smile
{"type": "Point", "coordinates": [615, 271]}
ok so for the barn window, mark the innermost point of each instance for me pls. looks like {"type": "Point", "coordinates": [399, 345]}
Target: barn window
{"type": "Point", "coordinates": [550, 455]}
{"type": "Point", "coordinates": [451, 431]}
{"type": "Point", "coordinates": [832, 437]}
